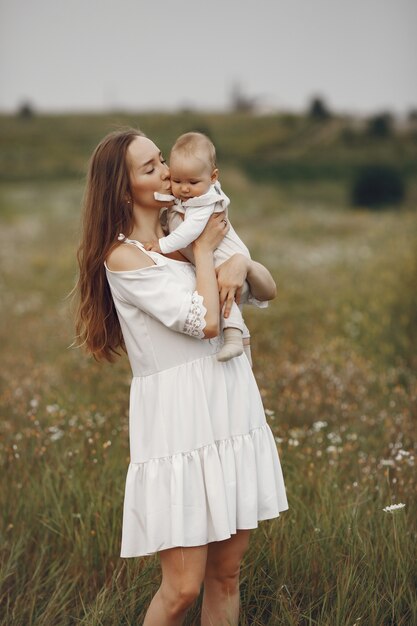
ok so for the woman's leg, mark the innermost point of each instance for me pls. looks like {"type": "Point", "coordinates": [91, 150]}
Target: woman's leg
{"type": "Point", "coordinates": [182, 575]}
{"type": "Point", "coordinates": [221, 581]}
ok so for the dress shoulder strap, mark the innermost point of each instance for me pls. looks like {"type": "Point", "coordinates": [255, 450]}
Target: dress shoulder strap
{"type": "Point", "coordinates": [136, 243]}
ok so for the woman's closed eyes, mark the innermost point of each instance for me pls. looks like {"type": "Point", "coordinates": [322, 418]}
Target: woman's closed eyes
{"type": "Point", "coordinates": [163, 161]}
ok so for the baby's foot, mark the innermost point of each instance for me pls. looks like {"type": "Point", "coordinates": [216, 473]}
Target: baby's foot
{"type": "Point", "coordinates": [229, 352]}
{"type": "Point", "coordinates": [233, 345]}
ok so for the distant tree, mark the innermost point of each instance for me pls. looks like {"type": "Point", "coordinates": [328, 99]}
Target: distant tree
{"type": "Point", "coordinates": [318, 109]}
{"type": "Point", "coordinates": [412, 116]}
{"type": "Point", "coordinates": [241, 102]}
{"type": "Point", "coordinates": [380, 125]}
{"type": "Point", "coordinates": [25, 111]}
{"type": "Point", "coordinates": [375, 186]}
{"type": "Point", "coordinates": [412, 123]}
{"type": "Point", "coordinates": [186, 109]}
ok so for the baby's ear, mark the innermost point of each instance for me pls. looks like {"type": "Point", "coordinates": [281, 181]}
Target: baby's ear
{"type": "Point", "coordinates": [214, 175]}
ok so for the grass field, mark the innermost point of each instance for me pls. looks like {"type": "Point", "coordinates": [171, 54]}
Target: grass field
{"type": "Point", "coordinates": [335, 359]}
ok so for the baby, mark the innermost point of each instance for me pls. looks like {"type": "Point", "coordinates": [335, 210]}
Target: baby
{"type": "Point", "coordinates": [197, 194]}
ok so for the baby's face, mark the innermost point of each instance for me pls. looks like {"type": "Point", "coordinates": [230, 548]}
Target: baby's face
{"type": "Point", "coordinates": [190, 176]}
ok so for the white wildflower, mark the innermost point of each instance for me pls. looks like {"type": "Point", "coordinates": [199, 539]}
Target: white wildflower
{"type": "Point", "coordinates": [56, 433]}
{"type": "Point", "coordinates": [393, 507]}
{"type": "Point", "coordinates": [334, 437]}
{"type": "Point", "coordinates": [296, 433]}
{"type": "Point", "coordinates": [387, 463]}
{"type": "Point", "coordinates": [319, 425]}
{"type": "Point", "coordinates": [351, 436]}
{"type": "Point", "coordinates": [100, 419]}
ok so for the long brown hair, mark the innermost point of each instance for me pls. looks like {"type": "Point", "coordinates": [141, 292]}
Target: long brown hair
{"type": "Point", "coordinates": [107, 212]}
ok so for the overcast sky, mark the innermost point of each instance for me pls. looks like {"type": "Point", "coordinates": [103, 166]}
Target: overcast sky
{"type": "Point", "coordinates": [360, 55]}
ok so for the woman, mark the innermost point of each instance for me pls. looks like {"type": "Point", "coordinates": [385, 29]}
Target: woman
{"type": "Point", "coordinates": [204, 468]}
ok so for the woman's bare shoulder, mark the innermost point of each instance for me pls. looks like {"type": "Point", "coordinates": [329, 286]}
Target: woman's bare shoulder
{"type": "Point", "coordinates": [127, 257]}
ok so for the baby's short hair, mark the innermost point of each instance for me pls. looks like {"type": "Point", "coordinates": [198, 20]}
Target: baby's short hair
{"type": "Point", "coordinates": [196, 144]}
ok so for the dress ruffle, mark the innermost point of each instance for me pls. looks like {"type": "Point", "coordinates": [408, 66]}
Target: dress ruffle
{"type": "Point", "coordinates": [192, 498]}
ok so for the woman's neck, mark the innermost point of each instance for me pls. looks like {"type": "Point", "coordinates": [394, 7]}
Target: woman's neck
{"type": "Point", "coordinates": [147, 226]}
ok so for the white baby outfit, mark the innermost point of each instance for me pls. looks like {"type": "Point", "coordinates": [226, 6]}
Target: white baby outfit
{"type": "Point", "coordinates": [203, 460]}
{"type": "Point", "coordinates": [196, 212]}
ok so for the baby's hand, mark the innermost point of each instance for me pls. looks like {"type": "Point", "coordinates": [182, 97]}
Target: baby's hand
{"type": "Point", "coordinates": [153, 246]}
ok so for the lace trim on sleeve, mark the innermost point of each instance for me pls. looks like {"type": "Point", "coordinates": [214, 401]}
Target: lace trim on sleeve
{"type": "Point", "coordinates": [195, 322]}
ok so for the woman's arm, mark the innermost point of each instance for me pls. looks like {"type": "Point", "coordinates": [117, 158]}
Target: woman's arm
{"type": "Point", "coordinates": [206, 280]}
{"type": "Point", "coordinates": [231, 275]}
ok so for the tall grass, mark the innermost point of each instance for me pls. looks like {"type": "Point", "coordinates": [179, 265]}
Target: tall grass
{"type": "Point", "coordinates": [335, 363]}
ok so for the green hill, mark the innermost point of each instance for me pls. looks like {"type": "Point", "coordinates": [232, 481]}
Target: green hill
{"type": "Point", "coordinates": [271, 147]}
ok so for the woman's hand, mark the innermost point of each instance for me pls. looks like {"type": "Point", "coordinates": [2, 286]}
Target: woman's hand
{"type": "Point", "coordinates": [230, 277]}
{"type": "Point", "coordinates": [214, 231]}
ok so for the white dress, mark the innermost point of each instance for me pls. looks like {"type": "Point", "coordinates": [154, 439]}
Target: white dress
{"type": "Point", "coordinates": [203, 460]}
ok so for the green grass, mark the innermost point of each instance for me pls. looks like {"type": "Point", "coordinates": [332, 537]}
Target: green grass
{"type": "Point", "coordinates": [334, 356]}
